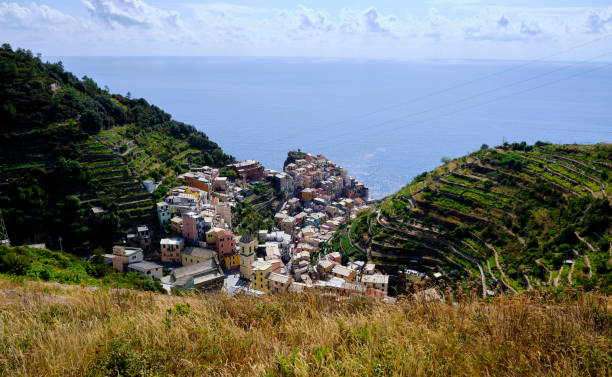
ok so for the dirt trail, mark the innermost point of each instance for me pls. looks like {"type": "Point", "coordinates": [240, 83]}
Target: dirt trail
{"type": "Point", "coordinates": [587, 262]}
{"type": "Point", "coordinates": [529, 287]}
{"type": "Point", "coordinates": [569, 275]}
{"type": "Point", "coordinates": [556, 281]}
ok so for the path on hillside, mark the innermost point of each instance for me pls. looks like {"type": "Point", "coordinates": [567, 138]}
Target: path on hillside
{"type": "Point", "coordinates": [556, 281]}
{"type": "Point", "coordinates": [586, 242]}
{"type": "Point", "coordinates": [529, 287]}
{"type": "Point", "coordinates": [569, 275]}
{"type": "Point", "coordinates": [587, 263]}
{"type": "Point", "coordinates": [549, 281]}
{"type": "Point", "coordinates": [502, 274]}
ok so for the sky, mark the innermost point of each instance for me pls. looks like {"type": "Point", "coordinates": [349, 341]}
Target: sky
{"type": "Point", "coordinates": [387, 29]}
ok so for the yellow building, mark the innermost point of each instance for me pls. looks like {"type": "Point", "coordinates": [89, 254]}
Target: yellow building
{"type": "Point", "coordinates": [211, 236]}
{"type": "Point", "coordinates": [232, 261]}
{"type": "Point", "coordinates": [261, 269]}
{"type": "Point", "coordinates": [192, 255]}
{"type": "Point", "coordinates": [248, 246]}
{"type": "Point", "coordinates": [307, 194]}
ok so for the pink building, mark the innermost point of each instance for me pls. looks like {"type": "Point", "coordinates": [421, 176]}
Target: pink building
{"type": "Point", "coordinates": [249, 170]}
{"type": "Point", "coordinates": [191, 226]}
{"type": "Point", "coordinates": [226, 244]}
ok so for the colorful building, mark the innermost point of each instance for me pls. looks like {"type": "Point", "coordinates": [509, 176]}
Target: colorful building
{"type": "Point", "coordinates": [226, 244]}
{"type": "Point", "coordinates": [193, 226]}
{"type": "Point", "coordinates": [248, 245]}
{"type": "Point", "coordinates": [261, 269]}
{"type": "Point", "coordinates": [249, 170]}
{"type": "Point", "coordinates": [144, 237]}
{"type": "Point", "coordinates": [232, 262]}
{"type": "Point", "coordinates": [344, 272]}
{"type": "Point", "coordinates": [287, 225]}
{"type": "Point", "coordinates": [126, 255]}
{"type": "Point", "coordinates": [196, 180]}
{"type": "Point", "coordinates": [278, 283]}
{"type": "Point", "coordinates": [163, 213]}
{"type": "Point", "coordinates": [193, 255]}
{"type": "Point", "coordinates": [211, 236]}
{"type": "Point", "coordinates": [171, 249]}
{"type": "Point", "coordinates": [307, 194]}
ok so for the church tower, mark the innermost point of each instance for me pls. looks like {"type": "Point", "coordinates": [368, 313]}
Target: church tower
{"type": "Point", "coordinates": [248, 246]}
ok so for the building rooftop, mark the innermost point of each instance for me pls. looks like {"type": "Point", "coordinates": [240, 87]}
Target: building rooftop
{"type": "Point", "coordinates": [97, 210]}
{"type": "Point", "coordinates": [144, 266]}
{"type": "Point", "coordinates": [199, 252]}
{"type": "Point", "coordinates": [342, 270]}
{"type": "Point", "coordinates": [261, 265]}
{"type": "Point", "coordinates": [247, 237]}
{"type": "Point", "coordinates": [127, 251]}
{"type": "Point", "coordinates": [196, 268]}
{"type": "Point", "coordinates": [171, 241]}
{"type": "Point", "coordinates": [199, 272]}
{"type": "Point", "coordinates": [282, 279]}
{"type": "Point", "coordinates": [334, 255]}
{"type": "Point", "coordinates": [245, 163]}
{"type": "Point", "coordinates": [375, 279]}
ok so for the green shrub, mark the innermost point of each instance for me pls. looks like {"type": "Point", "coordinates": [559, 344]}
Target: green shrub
{"type": "Point", "coordinates": [15, 261]}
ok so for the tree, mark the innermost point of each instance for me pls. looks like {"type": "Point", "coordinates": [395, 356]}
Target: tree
{"type": "Point", "coordinates": [107, 228]}
{"type": "Point", "coordinates": [91, 122]}
{"type": "Point", "coordinates": [445, 160]}
{"type": "Point", "coordinates": [484, 147]}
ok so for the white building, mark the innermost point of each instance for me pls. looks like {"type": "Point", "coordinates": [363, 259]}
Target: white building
{"type": "Point", "coordinates": [146, 268]}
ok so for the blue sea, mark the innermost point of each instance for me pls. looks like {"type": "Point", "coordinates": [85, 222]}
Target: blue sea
{"type": "Point", "coordinates": [385, 121]}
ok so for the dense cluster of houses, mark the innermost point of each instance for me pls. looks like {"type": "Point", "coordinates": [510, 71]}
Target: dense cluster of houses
{"type": "Point", "coordinates": [291, 257]}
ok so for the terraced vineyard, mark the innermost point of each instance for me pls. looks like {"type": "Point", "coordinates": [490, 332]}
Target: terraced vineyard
{"type": "Point", "coordinates": [507, 219]}
{"type": "Point", "coordinates": [68, 145]}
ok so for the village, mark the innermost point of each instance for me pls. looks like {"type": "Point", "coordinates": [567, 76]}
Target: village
{"type": "Point", "coordinates": [202, 251]}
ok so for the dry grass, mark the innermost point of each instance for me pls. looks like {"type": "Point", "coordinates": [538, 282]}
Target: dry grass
{"type": "Point", "coordinates": [48, 330]}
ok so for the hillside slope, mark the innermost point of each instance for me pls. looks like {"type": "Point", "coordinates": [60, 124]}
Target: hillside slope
{"type": "Point", "coordinates": [511, 218]}
{"type": "Point", "coordinates": [60, 267]}
{"type": "Point", "coordinates": [68, 145]}
{"type": "Point", "coordinates": [55, 330]}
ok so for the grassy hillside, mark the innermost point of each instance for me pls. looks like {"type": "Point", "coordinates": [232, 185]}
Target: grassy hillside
{"type": "Point", "coordinates": [68, 145]}
{"type": "Point", "coordinates": [502, 219]}
{"type": "Point", "coordinates": [71, 331]}
{"type": "Point", "coordinates": [64, 268]}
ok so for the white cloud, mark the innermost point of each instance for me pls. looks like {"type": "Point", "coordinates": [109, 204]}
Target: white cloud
{"type": "Point", "coordinates": [35, 17]}
{"type": "Point", "coordinates": [599, 22]}
{"type": "Point", "coordinates": [132, 13]}
{"type": "Point", "coordinates": [125, 27]}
